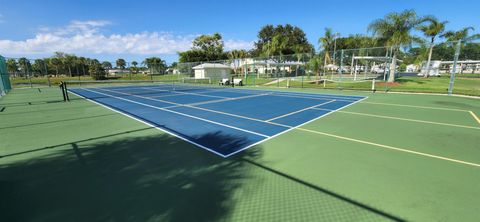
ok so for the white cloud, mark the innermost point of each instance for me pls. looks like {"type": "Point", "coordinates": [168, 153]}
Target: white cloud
{"type": "Point", "coordinates": [86, 37]}
{"type": "Point", "coordinates": [237, 44]}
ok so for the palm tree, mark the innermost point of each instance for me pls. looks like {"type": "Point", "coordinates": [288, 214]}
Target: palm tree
{"type": "Point", "coordinates": [275, 47]}
{"type": "Point", "coordinates": [394, 30]}
{"type": "Point", "coordinates": [134, 64]}
{"type": "Point", "coordinates": [24, 64]}
{"type": "Point", "coordinates": [57, 63]}
{"type": "Point", "coordinates": [155, 64]}
{"type": "Point", "coordinates": [300, 51]}
{"type": "Point", "coordinates": [12, 66]}
{"type": "Point", "coordinates": [327, 43]}
{"type": "Point", "coordinates": [121, 63]}
{"type": "Point", "coordinates": [82, 61]}
{"type": "Point", "coordinates": [69, 61]}
{"type": "Point", "coordinates": [107, 65]}
{"type": "Point", "coordinates": [462, 34]}
{"type": "Point", "coordinates": [235, 55]}
{"type": "Point", "coordinates": [432, 30]}
{"type": "Point", "coordinates": [39, 66]}
{"type": "Point", "coordinates": [314, 65]}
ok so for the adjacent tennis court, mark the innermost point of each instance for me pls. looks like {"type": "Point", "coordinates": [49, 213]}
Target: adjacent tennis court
{"type": "Point", "coordinates": [224, 121]}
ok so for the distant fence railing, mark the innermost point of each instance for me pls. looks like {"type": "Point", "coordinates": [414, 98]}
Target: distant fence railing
{"type": "Point", "coordinates": [453, 68]}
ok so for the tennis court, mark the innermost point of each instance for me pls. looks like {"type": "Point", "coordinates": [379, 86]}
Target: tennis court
{"type": "Point", "coordinates": [137, 151]}
{"type": "Point", "coordinates": [204, 116]}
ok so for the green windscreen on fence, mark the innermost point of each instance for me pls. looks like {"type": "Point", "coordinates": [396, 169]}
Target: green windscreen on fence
{"type": "Point", "coordinates": [4, 78]}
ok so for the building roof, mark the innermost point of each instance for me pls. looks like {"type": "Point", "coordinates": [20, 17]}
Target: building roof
{"type": "Point", "coordinates": [211, 66]}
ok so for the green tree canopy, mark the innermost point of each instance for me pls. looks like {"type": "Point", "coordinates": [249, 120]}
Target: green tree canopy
{"type": "Point", "coordinates": [107, 65]}
{"type": "Point", "coordinates": [24, 65]}
{"type": "Point", "coordinates": [205, 48]}
{"type": "Point", "coordinates": [394, 30]}
{"type": "Point", "coordinates": [155, 64]}
{"type": "Point", "coordinates": [326, 43]}
{"type": "Point", "coordinates": [462, 34]}
{"type": "Point", "coordinates": [12, 66]}
{"type": "Point", "coordinates": [120, 63]}
{"type": "Point", "coordinates": [96, 70]}
{"type": "Point", "coordinates": [237, 54]}
{"type": "Point", "coordinates": [432, 30]}
{"type": "Point", "coordinates": [281, 40]}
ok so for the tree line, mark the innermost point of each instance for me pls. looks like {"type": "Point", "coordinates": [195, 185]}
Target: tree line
{"type": "Point", "coordinates": [394, 31]}
{"type": "Point", "coordinates": [72, 65]}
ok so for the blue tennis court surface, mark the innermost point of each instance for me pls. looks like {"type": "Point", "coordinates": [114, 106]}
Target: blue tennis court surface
{"type": "Point", "coordinates": [224, 121]}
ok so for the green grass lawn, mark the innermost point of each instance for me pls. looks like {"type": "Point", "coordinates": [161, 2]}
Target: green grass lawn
{"type": "Point", "coordinates": [43, 81]}
{"type": "Point", "coordinates": [78, 161]}
{"type": "Point", "coordinates": [464, 85]}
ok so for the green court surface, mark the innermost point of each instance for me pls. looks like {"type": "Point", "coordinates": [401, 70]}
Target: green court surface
{"type": "Point", "coordinates": [389, 157]}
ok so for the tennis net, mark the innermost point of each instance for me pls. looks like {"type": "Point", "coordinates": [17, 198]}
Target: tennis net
{"type": "Point", "coordinates": [140, 86]}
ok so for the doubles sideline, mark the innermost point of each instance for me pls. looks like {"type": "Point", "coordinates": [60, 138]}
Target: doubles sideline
{"type": "Point", "coordinates": [310, 131]}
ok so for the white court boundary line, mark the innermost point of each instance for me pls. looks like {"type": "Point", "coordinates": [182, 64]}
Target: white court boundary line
{"type": "Point", "coordinates": [298, 111]}
{"type": "Point", "coordinates": [222, 100]}
{"type": "Point", "coordinates": [191, 106]}
{"type": "Point", "coordinates": [294, 127]}
{"type": "Point", "coordinates": [171, 94]}
{"type": "Point", "coordinates": [180, 104]}
{"type": "Point", "coordinates": [179, 113]}
{"type": "Point", "coordinates": [317, 97]}
{"type": "Point", "coordinates": [391, 147]}
{"type": "Point", "coordinates": [414, 106]}
{"type": "Point", "coordinates": [291, 128]}
{"type": "Point", "coordinates": [475, 116]}
{"type": "Point", "coordinates": [306, 96]}
{"type": "Point", "coordinates": [150, 124]}
{"type": "Point", "coordinates": [404, 119]}
{"type": "Point", "coordinates": [194, 143]}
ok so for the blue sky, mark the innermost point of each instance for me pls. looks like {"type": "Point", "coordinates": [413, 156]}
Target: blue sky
{"type": "Point", "coordinates": [136, 29]}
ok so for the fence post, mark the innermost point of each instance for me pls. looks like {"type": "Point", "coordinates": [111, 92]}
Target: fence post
{"type": "Point", "coordinates": [388, 63]}
{"type": "Point", "coordinates": [28, 73]}
{"type": "Point", "coordinates": [340, 71]}
{"type": "Point", "coordinates": [46, 72]}
{"type": "Point", "coordinates": [454, 70]}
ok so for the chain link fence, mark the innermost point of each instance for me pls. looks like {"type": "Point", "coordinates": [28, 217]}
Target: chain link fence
{"type": "Point", "coordinates": [445, 68]}
{"type": "Point", "coordinates": [4, 78]}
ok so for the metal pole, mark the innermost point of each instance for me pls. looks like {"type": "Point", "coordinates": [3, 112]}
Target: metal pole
{"type": "Point", "coordinates": [390, 59]}
{"type": "Point", "coordinates": [352, 67]}
{"type": "Point", "coordinates": [341, 68]}
{"type": "Point", "coordinates": [385, 66]}
{"type": "Point", "coordinates": [454, 70]}
{"type": "Point", "coordinates": [46, 72]}
{"type": "Point", "coordinates": [334, 48]}
{"type": "Point", "coordinates": [28, 73]}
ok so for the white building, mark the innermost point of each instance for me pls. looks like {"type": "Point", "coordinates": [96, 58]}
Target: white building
{"type": "Point", "coordinates": [114, 72]}
{"type": "Point", "coordinates": [433, 70]}
{"type": "Point", "coordinates": [270, 66]}
{"type": "Point", "coordinates": [172, 71]}
{"type": "Point", "coordinates": [212, 70]}
{"type": "Point", "coordinates": [412, 68]}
